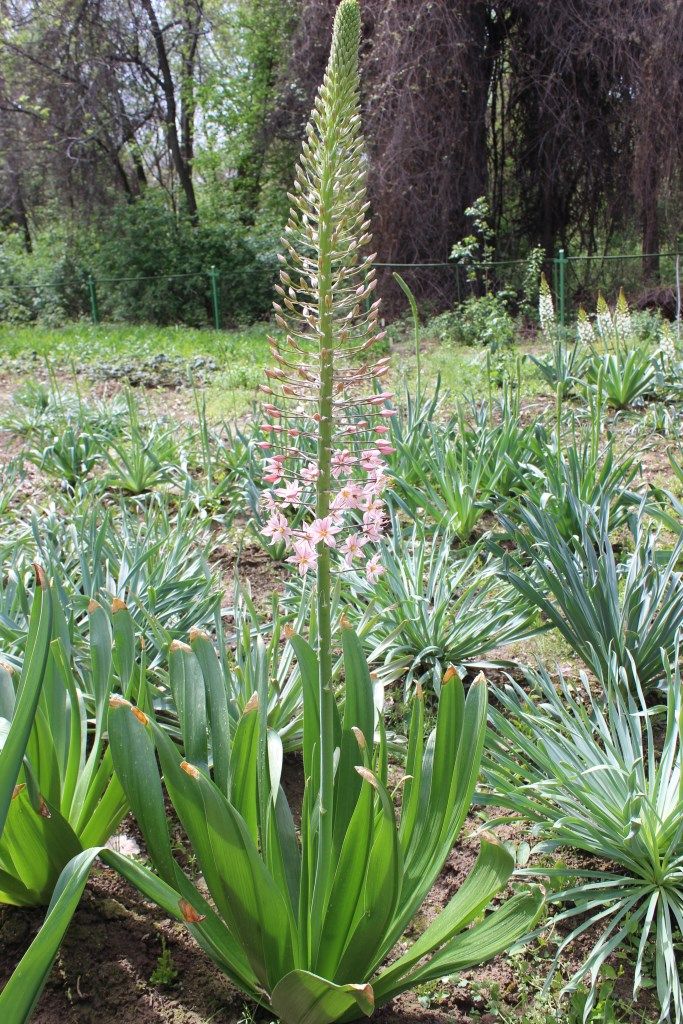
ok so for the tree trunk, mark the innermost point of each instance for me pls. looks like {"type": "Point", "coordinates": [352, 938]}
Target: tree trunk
{"type": "Point", "coordinates": [182, 165]}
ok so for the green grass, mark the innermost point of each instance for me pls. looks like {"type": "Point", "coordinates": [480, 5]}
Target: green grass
{"type": "Point", "coordinates": [85, 343]}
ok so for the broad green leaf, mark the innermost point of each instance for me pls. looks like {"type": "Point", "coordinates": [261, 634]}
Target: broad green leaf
{"type": "Point", "coordinates": [31, 680]}
{"type": "Point", "coordinates": [490, 873]}
{"type": "Point", "coordinates": [304, 998]}
{"type": "Point", "coordinates": [187, 686]}
{"type": "Point", "coordinates": [217, 704]}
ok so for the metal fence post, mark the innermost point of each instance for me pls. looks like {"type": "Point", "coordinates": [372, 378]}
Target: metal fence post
{"type": "Point", "coordinates": [92, 292]}
{"type": "Point", "coordinates": [215, 298]}
{"type": "Point", "coordinates": [561, 284]}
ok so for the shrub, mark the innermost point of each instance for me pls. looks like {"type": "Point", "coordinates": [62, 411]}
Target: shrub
{"type": "Point", "coordinates": [482, 320]}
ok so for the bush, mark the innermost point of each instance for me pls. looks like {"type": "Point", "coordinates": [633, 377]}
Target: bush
{"type": "Point", "coordinates": [478, 321]}
{"type": "Point", "coordinates": [163, 262]}
{"type": "Point", "coordinates": [47, 284]}
{"type": "Point", "coordinates": [166, 262]}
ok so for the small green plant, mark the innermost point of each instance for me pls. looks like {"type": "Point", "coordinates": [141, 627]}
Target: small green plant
{"type": "Point", "coordinates": [164, 974]}
{"type": "Point", "coordinates": [453, 474]}
{"type": "Point", "coordinates": [153, 559]}
{"type": "Point", "coordinates": [439, 609]}
{"type": "Point", "coordinates": [625, 375]}
{"type": "Point", "coordinates": [564, 366]}
{"type": "Point", "coordinates": [479, 321]}
{"type": "Point", "coordinates": [71, 456]}
{"type": "Point", "coordinates": [143, 459]}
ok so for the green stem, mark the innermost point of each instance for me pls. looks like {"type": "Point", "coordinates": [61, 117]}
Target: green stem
{"type": "Point", "coordinates": [325, 690]}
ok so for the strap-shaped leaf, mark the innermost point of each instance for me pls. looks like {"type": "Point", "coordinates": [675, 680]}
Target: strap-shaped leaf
{"type": "Point", "coordinates": [217, 706]}
{"type": "Point", "coordinates": [134, 758]}
{"type": "Point", "coordinates": [39, 843]}
{"type": "Point", "coordinates": [411, 789]}
{"type": "Point", "coordinates": [481, 942]}
{"type": "Point", "coordinates": [366, 941]}
{"type": "Point", "coordinates": [359, 710]}
{"type": "Point", "coordinates": [348, 884]}
{"type": "Point", "coordinates": [242, 887]}
{"type": "Point", "coordinates": [243, 767]}
{"type": "Point", "coordinates": [308, 666]}
{"type": "Point", "coordinates": [123, 630]}
{"type": "Point", "coordinates": [490, 873]}
{"type": "Point", "coordinates": [304, 998]}
{"type": "Point", "coordinates": [35, 662]}
{"type": "Point", "coordinates": [187, 686]}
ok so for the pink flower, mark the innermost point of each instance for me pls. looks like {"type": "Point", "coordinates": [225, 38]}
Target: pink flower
{"type": "Point", "coordinates": [371, 460]}
{"type": "Point", "coordinates": [374, 486]}
{"type": "Point", "coordinates": [347, 497]}
{"type": "Point", "coordinates": [304, 557]}
{"type": "Point", "coordinates": [289, 494]}
{"type": "Point", "coordinates": [278, 529]}
{"type": "Point", "coordinates": [353, 547]}
{"type": "Point", "coordinates": [322, 531]}
{"type": "Point", "coordinates": [342, 462]}
{"type": "Point", "coordinates": [273, 469]}
{"type": "Point", "coordinates": [385, 448]}
{"type": "Point", "coordinates": [373, 569]}
{"type": "Point", "coordinates": [269, 502]}
{"type": "Point", "coordinates": [310, 473]}
{"type": "Point", "coordinates": [373, 522]}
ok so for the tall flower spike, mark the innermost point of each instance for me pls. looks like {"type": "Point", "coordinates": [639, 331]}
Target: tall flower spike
{"type": "Point", "coordinates": [622, 316]}
{"type": "Point", "coordinates": [603, 318]}
{"type": "Point", "coordinates": [584, 328]}
{"type": "Point", "coordinates": [324, 374]}
{"type": "Point", "coordinates": [546, 310]}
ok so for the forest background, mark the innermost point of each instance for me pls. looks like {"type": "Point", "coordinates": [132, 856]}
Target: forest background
{"type": "Point", "coordinates": [145, 142]}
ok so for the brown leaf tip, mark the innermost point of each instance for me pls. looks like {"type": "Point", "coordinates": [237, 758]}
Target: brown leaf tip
{"type": "Point", "coordinates": [41, 578]}
{"type": "Point", "coordinates": [190, 915]}
{"type": "Point", "coordinates": [18, 789]}
{"type": "Point", "coordinates": [43, 809]}
{"type": "Point", "coordinates": [118, 605]}
{"type": "Point", "coordinates": [92, 606]}
{"type": "Point", "coordinates": [449, 674]}
{"type": "Point", "coordinates": [288, 631]}
{"type": "Point", "coordinates": [360, 736]}
{"type": "Point", "coordinates": [140, 715]}
{"type": "Point", "coordinates": [367, 775]}
{"type": "Point", "coordinates": [6, 667]}
{"type": "Point", "coordinates": [198, 634]}
{"type": "Point", "coordinates": [252, 704]}
{"type": "Point", "coordinates": [480, 680]}
{"type": "Point", "coordinates": [366, 991]}
{"type": "Point", "coordinates": [116, 701]}
{"type": "Point", "coordinates": [178, 645]}
{"type": "Point", "coordinates": [190, 769]}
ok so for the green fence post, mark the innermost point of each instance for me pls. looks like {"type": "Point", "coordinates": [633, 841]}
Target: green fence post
{"type": "Point", "coordinates": [215, 298]}
{"type": "Point", "coordinates": [92, 292]}
{"type": "Point", "coordinates": [561, 283]}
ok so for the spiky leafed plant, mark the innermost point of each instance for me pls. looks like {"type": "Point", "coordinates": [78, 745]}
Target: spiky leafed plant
{"type": "Point", "coordinates": [303, 920]}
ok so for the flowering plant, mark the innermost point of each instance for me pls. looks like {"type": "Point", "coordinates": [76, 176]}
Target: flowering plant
{"type": "Point", "coordinates": [303, 919]}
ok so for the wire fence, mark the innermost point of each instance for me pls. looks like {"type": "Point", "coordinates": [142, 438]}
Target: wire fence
{"type": "Point", "coordinates": [575, 280]}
